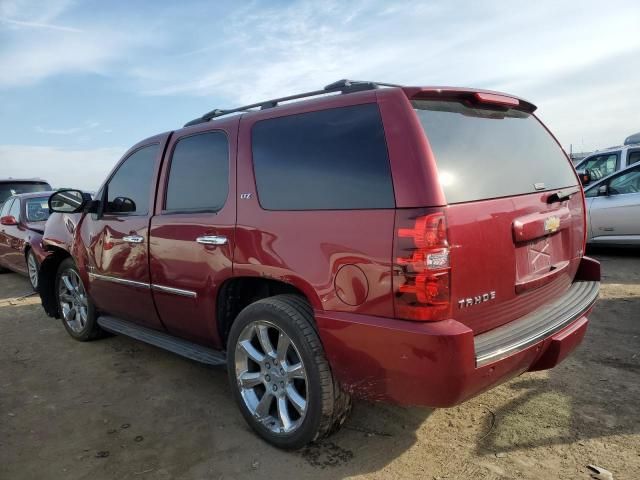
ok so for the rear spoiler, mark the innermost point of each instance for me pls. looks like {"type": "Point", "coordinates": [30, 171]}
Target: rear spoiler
{"type": "Point", "coordinates": [470, 95]}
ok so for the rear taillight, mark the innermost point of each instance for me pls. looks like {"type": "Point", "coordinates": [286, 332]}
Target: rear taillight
{"type": "Point", "coordinates": [422, 275]}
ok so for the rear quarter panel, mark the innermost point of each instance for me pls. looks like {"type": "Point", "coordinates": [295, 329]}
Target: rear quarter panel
{"type": "Point", "coordinates": [307, 248]}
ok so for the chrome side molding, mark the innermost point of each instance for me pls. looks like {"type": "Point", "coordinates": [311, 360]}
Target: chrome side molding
{"type": "Point", "coordinates": [135, 283]}
{"type": "Point", "coordinates": [121, 281]}
{"type": "Point", "coordinates": [175, 291]}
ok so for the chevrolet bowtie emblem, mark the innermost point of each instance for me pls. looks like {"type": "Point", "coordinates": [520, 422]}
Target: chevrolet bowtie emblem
{"type": "Point", "coordinates": [551, 224]}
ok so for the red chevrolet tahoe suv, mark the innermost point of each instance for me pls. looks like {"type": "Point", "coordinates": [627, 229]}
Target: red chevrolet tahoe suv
{"type": "Point", "coordinates": [403, 244]}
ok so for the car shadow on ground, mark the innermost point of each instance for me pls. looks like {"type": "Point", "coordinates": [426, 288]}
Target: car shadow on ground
{"type": "Point", "coordinates": [558, 407]}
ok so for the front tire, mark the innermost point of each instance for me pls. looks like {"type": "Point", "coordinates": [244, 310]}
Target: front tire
{"type": "Point", "coordinates": [76, 309]}
{"type": "Point", "coordinates": [32, 269]}
{"type": "Point", "coordinates": [279, 374]}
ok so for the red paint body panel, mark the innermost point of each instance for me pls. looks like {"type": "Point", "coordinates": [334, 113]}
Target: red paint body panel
{"type": "Point", "coordinates": [413, 167]}
{"type": "Point", "coordinates": [431, 364]}
{"type": "Point", "coordinates": [484, 256]}
{"type": "Point", "coordinates": [561, 345]}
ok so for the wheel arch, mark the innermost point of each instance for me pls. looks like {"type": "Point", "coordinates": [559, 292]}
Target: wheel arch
{"type": "Point", "coordinates": [47, 280]}
{"type": "Point", "coordinates": [238, 292]}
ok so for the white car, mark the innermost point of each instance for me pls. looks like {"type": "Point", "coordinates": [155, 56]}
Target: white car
{"type": "Point", "coordinates": [613, 208]}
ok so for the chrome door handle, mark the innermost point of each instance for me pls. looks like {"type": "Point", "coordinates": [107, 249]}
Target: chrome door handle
{"type": "Point", "coordinates": [133, 239]}
{"type": "Point", "coordinates": [212, 240]}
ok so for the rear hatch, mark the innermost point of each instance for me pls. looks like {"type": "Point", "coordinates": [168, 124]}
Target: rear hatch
{"type": "Point", "coordinates": [515, 214]}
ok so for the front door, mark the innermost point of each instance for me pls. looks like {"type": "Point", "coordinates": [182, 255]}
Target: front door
{"type": "Point", "coordinates": [614, 216]}
{"type": "Point", "coordinates": [118, 258]}
{"type": "Point", "coordinates": [192, 233]}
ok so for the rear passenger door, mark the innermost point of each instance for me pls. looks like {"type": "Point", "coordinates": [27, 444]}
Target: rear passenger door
{"type": "Point", "coordinates": [192, 233]}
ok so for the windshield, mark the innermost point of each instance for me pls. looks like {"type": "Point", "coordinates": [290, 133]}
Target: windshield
{"type": "Point", "coordinates": [483, 153]}
{"type": "Point", "coordinates": [37, 209]}
{"type": "Point", "coordinates": [8, 189]}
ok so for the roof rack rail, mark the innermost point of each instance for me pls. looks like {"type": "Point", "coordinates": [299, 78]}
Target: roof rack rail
{"type": "Point", "coordinates": [343, 86]}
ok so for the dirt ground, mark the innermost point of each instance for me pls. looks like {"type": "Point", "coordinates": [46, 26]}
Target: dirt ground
{"type": "Point", "coordinates": [117, 408]}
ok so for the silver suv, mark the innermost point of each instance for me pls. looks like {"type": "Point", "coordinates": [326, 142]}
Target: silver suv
{"type": "Point", "coordinates": [603, 163]}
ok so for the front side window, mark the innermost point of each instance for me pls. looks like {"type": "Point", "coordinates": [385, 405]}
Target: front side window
{"type": "Point", "coordinates": [628, 182]}
{"type": "Point", "coordinates": [199, 174]}
{"type": "Point", "coordinates": [332, 159]}
{"type": "Point", "coordinates": [4, 211]}
{"type": "Point", "coordinates": [37, 209]}
{"type": "Point", "coordinates": [601, 165]}
{"type": "Point", "coordinates": [129, 189]}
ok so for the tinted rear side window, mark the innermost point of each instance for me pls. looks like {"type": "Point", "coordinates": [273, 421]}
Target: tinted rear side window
{"type": "Point", "coordinates": [199, 175]}
{"type": "Point", "coordinates": [333, 159]}
{"type": "Point", "coordinates": [484, 153]}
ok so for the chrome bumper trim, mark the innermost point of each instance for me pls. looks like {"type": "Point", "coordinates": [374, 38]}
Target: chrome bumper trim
{"type": "Point", "coordinates": [534, 327]}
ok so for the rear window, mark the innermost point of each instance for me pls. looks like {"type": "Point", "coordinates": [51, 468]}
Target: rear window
{"type": "Point", "coordinates": [8, 189]}
{"type": "Point", "coordinates": [333, 159]}
{"type": "Point", "coordinates": [483, 153]}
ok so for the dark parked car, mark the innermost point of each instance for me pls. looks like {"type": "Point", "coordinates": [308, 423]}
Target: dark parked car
{"type": "Point", "coordinates": [404, 244]}
{"type": "Point", "coordinates": [15, 186]}
{"type": "Point", "coordinates": [22, 221]}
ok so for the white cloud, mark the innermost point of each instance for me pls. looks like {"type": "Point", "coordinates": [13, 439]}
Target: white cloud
{"type": "Point", "coordinates": [556, 54]}
{"type": "Point", "coordinates": [39, 45]}
{"type": "Point", "coordinates": [84, 169]}
{"type": "Point", "coordinates": [68, 131]}
{"type": "Point", "coordinates": [21, 23]}
{"type": "Point", "coordinates": [533, 50]}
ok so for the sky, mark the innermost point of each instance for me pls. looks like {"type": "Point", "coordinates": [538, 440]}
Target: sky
{"type": "Point", "coordinates": [82, 81]}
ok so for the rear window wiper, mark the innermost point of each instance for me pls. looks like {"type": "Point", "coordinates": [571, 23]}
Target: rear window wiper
{"type": "Point", "coordinates": [562, 195]}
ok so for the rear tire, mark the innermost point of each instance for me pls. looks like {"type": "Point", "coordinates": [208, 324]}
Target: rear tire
{"type": "Point", "coordinates": [279, 375]}
{"type": "Point", "coordinates": [77, 312]}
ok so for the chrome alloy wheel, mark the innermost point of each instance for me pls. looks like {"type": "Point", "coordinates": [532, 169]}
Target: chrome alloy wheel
{"type": "Point", "coordinates": [74, 305]}
{"type": "Point", "coordinates": [271, 377]}
{"type": "Point", "coordinates": [32, 268]}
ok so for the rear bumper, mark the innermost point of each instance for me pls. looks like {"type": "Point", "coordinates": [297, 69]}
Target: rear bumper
{"type": "Point", "coordinates": [441, 364]}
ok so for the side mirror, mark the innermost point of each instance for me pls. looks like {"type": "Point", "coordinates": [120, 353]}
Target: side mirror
{"type": "Point", "coordinates": [603, 190]}
{"type": "Point", "coordinates": [122, 205]}
{"type": "Point", "coordinates": [8, 220]}
{"type": "Point", "coordinates": [67, 201]}
{"type": "Point", "coordinates": [585, 177]}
